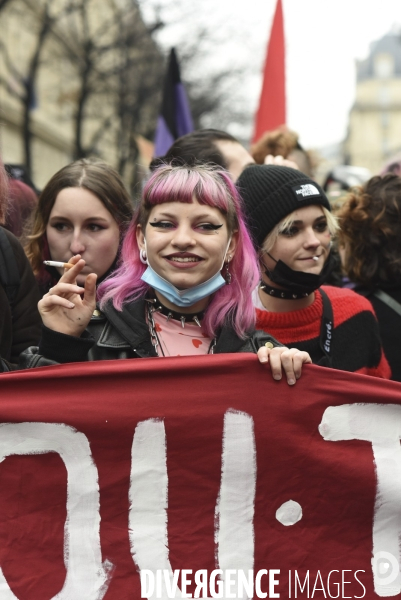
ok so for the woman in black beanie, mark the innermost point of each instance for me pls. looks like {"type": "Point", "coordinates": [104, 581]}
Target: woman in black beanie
{"type": "Point", "coordinates": [292, 226]}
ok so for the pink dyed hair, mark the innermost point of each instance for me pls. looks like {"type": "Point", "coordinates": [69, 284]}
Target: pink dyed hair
{"type": "Point", "coordinates": [232, 304]}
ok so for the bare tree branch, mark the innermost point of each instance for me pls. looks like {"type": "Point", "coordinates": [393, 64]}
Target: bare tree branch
{"type": "Point", "coordinates": [3, 3]}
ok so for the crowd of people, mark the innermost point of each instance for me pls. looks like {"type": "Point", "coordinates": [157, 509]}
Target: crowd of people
{"type": "Point", "coordinates": [227, 251]}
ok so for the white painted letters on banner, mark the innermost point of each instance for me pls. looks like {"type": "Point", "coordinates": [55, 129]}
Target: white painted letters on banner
{"type": "Point", "coordinates": [148, 497]}
{"type": "Point", "coordinates": [379, 424]}
{"type": "Point", "coordinates": [87, 578]}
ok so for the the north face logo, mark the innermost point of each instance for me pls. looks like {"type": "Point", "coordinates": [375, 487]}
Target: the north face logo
{"type": "Point", "coordinates": [308, 189]}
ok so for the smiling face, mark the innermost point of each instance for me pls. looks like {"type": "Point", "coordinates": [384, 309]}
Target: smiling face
{"type": "Point", "coordinates": [186, 244]}
{"type": "Point", "coordinates": [305, 245]}
{"type": "Point", "coordinates": [79, 223]}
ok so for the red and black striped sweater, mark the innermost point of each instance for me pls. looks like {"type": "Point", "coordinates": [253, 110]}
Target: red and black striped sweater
{"type": "Point", "coordinates": [356, 345]}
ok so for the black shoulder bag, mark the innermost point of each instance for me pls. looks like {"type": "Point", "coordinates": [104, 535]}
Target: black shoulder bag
{"type": "Point", "coordinates": [9, 275]}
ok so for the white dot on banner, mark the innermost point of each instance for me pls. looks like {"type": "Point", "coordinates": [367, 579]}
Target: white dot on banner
{"type": "Point", "coordinates": [289, 513]}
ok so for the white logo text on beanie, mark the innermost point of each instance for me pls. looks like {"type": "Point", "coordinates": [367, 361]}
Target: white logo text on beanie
{"type": "Point", "coordinates": [307, 189]}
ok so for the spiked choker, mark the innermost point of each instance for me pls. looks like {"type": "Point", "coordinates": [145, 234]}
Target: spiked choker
{"type": "Point", "coordinates": [155, 305]}
{"type": "Point", "coordinates": [284, 294]}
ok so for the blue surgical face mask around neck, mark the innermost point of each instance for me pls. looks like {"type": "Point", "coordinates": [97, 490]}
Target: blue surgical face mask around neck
{"type": "Point", "coordinates": [183, 297]}
{"type": "Point", "coordinates": [186, 297]}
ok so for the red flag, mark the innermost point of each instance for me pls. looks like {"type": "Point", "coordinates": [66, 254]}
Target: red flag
{"type": "Point", "coordinates": [272, 105]}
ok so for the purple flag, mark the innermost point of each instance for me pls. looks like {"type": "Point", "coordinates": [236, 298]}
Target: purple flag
{"type": "Point", "coordinates": [175, 117]}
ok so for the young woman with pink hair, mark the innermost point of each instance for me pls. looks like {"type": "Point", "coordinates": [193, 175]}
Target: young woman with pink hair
{"type": "Point", "coordinates": [183, 286]}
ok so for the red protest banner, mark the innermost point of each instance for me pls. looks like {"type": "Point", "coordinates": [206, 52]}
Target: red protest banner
{"type": "Point", "coordinates": [197, 463]}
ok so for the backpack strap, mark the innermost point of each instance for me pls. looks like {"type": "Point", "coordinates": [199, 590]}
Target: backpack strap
{"type": "Point", "coordinates": [9, 275]}
{"type": "Point", "coordinates": [396, 306]}
{"type": "Point", "coordinates": [326, 331]}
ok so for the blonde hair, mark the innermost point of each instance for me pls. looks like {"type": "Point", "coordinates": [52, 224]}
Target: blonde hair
{"type": "Point", "coordinates": [287, 223]}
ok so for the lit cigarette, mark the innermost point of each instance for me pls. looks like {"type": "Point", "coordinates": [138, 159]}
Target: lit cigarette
{"type": "Point", "coordinates": [56, 263]}
{"type": "Point", "coordinates": [315, 257]}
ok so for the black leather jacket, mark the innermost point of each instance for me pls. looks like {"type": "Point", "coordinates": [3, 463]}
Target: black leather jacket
{"type": "Point", "coordinates": [113, 334]}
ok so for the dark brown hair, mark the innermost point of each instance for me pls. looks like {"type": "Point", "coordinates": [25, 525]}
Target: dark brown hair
{"type": "Point", "coordinates": [194, 148]}
{"type": "Point", "coordinates": [92, 174]}
{"type": "Point", "coordinates": [370, 222]}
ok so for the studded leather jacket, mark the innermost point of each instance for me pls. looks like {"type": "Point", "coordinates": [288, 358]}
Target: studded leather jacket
{"type": "Point", "coordinates": [113, 334]}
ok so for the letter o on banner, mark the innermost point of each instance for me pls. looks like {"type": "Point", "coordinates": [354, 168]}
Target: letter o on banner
{"type": "Point", "coordinates": [86, 576]}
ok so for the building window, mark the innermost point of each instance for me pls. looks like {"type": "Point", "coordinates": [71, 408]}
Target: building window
{"type": "Point", "coordinates": [383, 95]}
{"type": "Point", "coordinates": [384, 119]}
{"type": "Point", "coordinates": [383, 65]}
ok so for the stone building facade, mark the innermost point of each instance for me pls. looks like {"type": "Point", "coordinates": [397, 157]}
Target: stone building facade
{"type": "Point", "coordinates": [95, 83]}
{"type": "Point", "coordinates": [374, 131]}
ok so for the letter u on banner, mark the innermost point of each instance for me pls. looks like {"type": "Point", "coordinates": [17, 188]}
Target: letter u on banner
{"type": "Point", "coordinates": [234, 508]}
{"type": "Point", "coordinates": [86, 576]}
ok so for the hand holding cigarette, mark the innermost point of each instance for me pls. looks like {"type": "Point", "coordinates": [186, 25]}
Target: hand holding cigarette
{"type": "Point", "coordinates": [67, 307]}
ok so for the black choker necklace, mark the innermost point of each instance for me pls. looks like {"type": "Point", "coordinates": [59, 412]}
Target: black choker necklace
{"type": "Point", "coordinates": [276, 293]}
{"type": "Point", "coordinates": [156, 306]}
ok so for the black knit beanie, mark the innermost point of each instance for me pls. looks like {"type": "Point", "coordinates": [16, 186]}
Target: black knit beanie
{"type": "Point", "coordinates": [270, 193]}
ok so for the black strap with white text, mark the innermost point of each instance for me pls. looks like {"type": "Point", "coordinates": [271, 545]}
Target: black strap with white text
{"type": "Point", "coordinates": [326, 331]}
